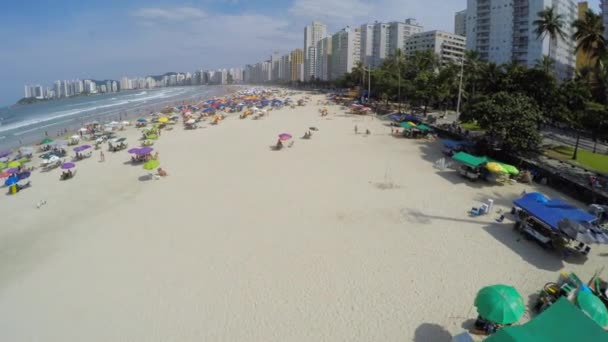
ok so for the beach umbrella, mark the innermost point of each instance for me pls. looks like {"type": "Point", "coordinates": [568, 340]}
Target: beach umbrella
{"type": "Point", "coordinates": [284, 136]}
{"type": "Point", "coordinates": [133, 150]}
{"type": "Point", "coordinates": [82, 148]}
{"type": "Point", "coordinates": [83, 130]}
{"type": "Point", "coordinates": [4, 174]}
{"type": "Point", "coordinates": [14, 164]}
{"type": "Point", "coordinates": [495, 167]}
{"type": "Point", "coordinates": [500, 304]}
{"type": "Point", "coordinates": [144, 150]}
{"type": "Point", "coordinates": [152, 136]}
{"type": "Point", "coordinates": [26, 150]}
{"type": "Point", "coordinates": [151, 164]}
{"type": "Point", "coordinates": [591, 305]}
{"type": "Point", "coordinates": [5, 154]}
{"type": "Point", "coordinates": [142, 120]}
{"type": "Point", "coordinates": [67, 166]}
{"type": "Point", "coordinates": [46, 141]}
{"type": "Point", "coordinates": [576, 231]}
{"type": "Point", "coordinates": [24, 175]}
{"type": "Point", "coordinates": [12, 171]}
{"type": "Point", "coordinates": [512, 170]}
{"type": "Point", "coordinates": [191, 121]}
{"type": "Point", "coordinates": [2, 165]}
{"type": "Point", "coordinates": [58, 143]}
{"type": "Point", "coordinates": [11, 181]}
{"type": "Point", "coordinates": [125, 123]}
{"type": "Point", "coordinates": [163, 120]}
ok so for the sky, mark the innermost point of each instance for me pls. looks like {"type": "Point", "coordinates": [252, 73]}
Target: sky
{"type": "Point", "coordinates": [46, 40]}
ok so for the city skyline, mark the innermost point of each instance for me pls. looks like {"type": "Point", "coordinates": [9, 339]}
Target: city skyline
{"type": "Point", "coordinates": [144, 38]}
{"type": "Point", "coordinates": [44, 42]}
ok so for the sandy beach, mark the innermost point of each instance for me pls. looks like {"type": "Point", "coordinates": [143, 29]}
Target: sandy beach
{"type": "Point", "coordinates": [343, 237]}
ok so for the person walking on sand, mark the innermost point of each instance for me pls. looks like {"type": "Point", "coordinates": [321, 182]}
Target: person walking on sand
{"type": "Point", "coordinates": [156, 155]}
{"type": "Point", "coordinates": [102, 157]}
{"type": "Point", "coordinates": [356, 129]}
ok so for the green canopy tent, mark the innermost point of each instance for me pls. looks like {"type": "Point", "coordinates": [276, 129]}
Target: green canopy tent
{"type": "Point", "coordinates": [469, 160]}
{"type": "Point", "coordinates": [424, 128]}
{"type": "Point", "coordinates": [406, 125]}
{"type": "Point", "coordinates": [561, 322]}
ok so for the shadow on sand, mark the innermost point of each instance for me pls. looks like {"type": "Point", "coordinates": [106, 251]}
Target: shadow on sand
{"type": "Point", "coordinates": [530, 251]}
{"type": "Point", "coordinates": [428, 332]}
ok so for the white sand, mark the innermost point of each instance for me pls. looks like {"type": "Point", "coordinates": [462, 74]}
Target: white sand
{"type": "Point", "coordinates": [340, 238]}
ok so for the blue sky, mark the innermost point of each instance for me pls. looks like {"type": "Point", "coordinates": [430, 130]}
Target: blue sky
{"type": "Point", "coordinates": [66, 39]}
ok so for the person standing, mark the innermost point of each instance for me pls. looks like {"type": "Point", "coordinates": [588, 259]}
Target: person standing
{"type": "Point", "coordinates": [102, 156]}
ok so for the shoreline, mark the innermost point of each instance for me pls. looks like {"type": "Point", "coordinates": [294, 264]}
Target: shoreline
{"type": "Point", "coordinates": [36, 134]}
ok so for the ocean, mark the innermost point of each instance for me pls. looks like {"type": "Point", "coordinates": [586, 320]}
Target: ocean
{"type": "Point", "coordinates": [28, 124]}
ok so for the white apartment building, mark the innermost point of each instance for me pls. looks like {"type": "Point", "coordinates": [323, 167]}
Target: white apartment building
{"type": "Point", "coordinates": [312, 34]}
{"type": "Point", "coordinates": [503, 31]}
{"type": "Point", "coordinates": [345, 51]}
{"type": "Point", "coordinates": [447, 46]}
{"type": "Point", "coordinates": [380, 43]}
{"type": "Point", "coordinates": [367, 44]}
{"type": "Point", "coordinates": [385, 39]}
{"type": "Point", "coordinates": [400, 32]}
{"type": "Point", "coordinates": [460, 23]}
{"type": "Point", "coordinates": [323, 63]}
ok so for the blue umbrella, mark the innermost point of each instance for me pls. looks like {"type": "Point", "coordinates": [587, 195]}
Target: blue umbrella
{"type": "Point", "coordinates": [11, 181]}
{"type": "Point", "coordinates": [67, 166]}
{"type": "Point", "coordinates": [142, 120]}
{"type": "Point", "coordinates": [5, 154]}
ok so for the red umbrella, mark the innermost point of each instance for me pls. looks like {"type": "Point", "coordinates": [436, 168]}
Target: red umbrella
{"type": "Point", "coordinates": [4, 174]}
{"type": "Point", "coordinates": [284, 136]}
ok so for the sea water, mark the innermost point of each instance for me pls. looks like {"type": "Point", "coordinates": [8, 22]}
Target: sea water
{"type": "Point", "coordinates": [28, 124]}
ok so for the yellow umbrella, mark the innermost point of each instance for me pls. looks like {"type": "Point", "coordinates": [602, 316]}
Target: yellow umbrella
{"type": "Point", "coordinates": [163, 120]}
{"type": "Point", "coordinates": [14, 164]}
{"type": "Point", "coordinates": [411, 123]}
{"type": "Point", "coordinates": [495, 168]}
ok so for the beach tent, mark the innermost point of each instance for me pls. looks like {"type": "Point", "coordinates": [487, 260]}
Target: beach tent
{"type": "Point", "coordinates": [469, 159]}
{"type": "Point", "coordinates": [423, 128]}
{"type": "Point", "coordinates": [551, 211]}
{"type": "Point", "coordinates": [455, 144]}
{"type": "Point", "coordinates": [561, 322]}
{"type": "Point", "coordinates": [406, 125]}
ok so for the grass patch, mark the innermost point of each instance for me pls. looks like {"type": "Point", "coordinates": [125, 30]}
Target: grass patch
{"type": "Point", "coordinates": [587, 159]}
{"type": "Point", "coordinates": [471, 126]}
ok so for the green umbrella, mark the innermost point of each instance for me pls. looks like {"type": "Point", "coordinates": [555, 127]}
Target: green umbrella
{"type": "Point", "coordinates": [406, 125]}
{"type": "Point", "coordinates": [151, 164]}
{"type": "Point", "coordinates": [152, 136]}
{"type": "Point", "coordinates": [24, 160]}
{"type": "Point", "coordinates": [46, 141]}
{"type": "Point", "coordinates": [593, 307]}
{"type": "Point", "coordinates": [2, 165]}
{"type": "Point", "coordinates": [14, 164]}
{"type": "Point", "coordinates": [512, 170]}
{"type": "Point", "coordinates": [500, 304]}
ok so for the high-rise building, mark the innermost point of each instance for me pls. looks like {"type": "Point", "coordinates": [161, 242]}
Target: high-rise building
{"type": "Point", "coordinates": [345, 51]}
{"type": "Point", "coordinates": [380, 43]}
{"type": "Point", "coordinates": [399, 33]}
{"type": "Point", "coordinates": [124, 83]}
{"type": "Point", "coordinates": [448, 47]}
{"type": "Point", "coordinates": [64, 89]}
{"type": "Point", "coordinates": [312, 34]}
{"type": "Point", "coordinates": [27, 93]}
{"type": "Point", "coordinates": [114, 86]}
{"type": "Point", "coordinates": [323, 63]}
{"type": "Point", "coordinates": [57, 87]}
{"type": "Point", "coordinates": [297, 64]}
{"type": "Point", "coordinates": [502, 31]}
{"type": "Point", "coordinates": [604, 11]}
{"type": "Point", "coordinates": [460, 23]}
{"type": "Point", "coordinates": [367, 44]}
{"type": "Point", "coordinates": [38, 92]}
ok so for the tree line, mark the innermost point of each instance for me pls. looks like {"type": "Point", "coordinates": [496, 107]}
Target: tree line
{"type": "Point", "coordinates": [510, 101]}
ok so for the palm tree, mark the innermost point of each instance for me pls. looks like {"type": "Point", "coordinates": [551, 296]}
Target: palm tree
{"type": "Point", "coordinates": [589, 34]}
{"type": "Point", "coordinates": [545, 64]}
{"type": "Point", "coordinates": [550, 23]}
{"type": "Point", "coordinates": [397, 59]}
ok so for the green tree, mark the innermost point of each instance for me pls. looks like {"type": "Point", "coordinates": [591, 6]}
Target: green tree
{"type": "Point", "coordinates": [510, 120]}
{"type": "Point", "coordinates": [549, 23]}
{"type": "Point", "coordinates": [396, 63]}
{"type": "Point", "coordinates": [589, 35]}
{"type": "Point", "coordinates": [575, 95]}
{"type": "Point", "coordinates": [546, 64]}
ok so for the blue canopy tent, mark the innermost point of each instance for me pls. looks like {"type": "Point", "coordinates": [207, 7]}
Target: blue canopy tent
{"type": "Point", "coordinates": [551, 211]}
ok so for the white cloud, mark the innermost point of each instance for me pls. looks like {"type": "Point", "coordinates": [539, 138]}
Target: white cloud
{"type": "Point", "coordinates": [337, 9]}
{"type": "Point", "coordinates": [178, 13]}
